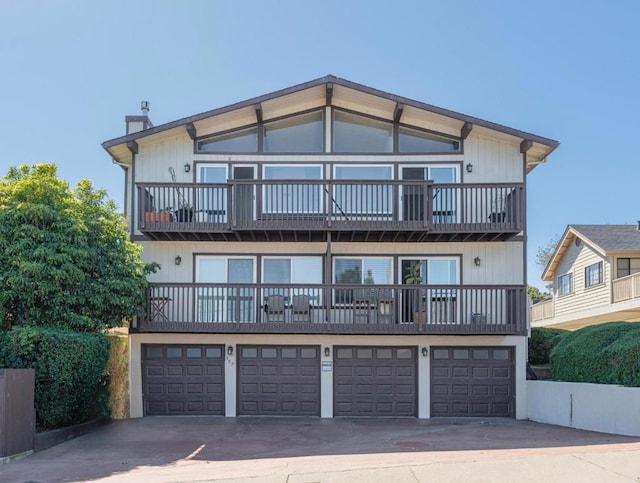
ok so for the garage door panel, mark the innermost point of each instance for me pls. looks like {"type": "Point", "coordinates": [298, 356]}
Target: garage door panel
{"type": "Point", "coordinates": [183, 379]}
{"type": "Point", "coordinates": [481, 385]}
{"type": "Point", "coordinates": [375, 381]}
{"type": "Point", "coordinates": [288, 382]}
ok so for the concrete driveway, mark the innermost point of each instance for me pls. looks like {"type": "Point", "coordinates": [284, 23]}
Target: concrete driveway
{"type": "Point", "coordinates": [163, 449]}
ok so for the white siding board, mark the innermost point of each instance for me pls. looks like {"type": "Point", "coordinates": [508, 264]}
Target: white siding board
{"type": "Point", "coordinates": [575, 260]}
{"type": "Point", "coordinates": [493, 161]}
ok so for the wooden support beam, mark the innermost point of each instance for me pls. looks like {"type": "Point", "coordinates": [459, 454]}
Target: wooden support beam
{"type": "Point", "coordinates": [258, 108]}
{"type": "Point", "coordinates": [191, 130]}
{"type": "Point", "coordinates": [397, 113]}
{"type": "Point", "coordinates": [525, 145]}
{"type": "Point", "coordinates": [133, 147]}
{"type": "Point", "coordinates": [466, 130]}
{"type": "Point", "coordinates": [329, 93]}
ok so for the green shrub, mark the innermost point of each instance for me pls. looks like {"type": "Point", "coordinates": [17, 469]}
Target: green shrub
{"type": "Point", "coordinates": [542, 342]}
{"type": "Point", "coordinates": [603, 354]}
{"type": "Point", "coordinates": [118, 371]}
{"type": "Point", "coordinates": [69, 368]}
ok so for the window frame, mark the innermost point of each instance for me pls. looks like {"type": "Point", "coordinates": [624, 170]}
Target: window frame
{"type": "Point", "coordinates": [588, 275]}
{"type": "Point", "coordinates": [560, 285]}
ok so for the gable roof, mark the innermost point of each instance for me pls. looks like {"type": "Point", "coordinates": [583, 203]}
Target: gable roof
{"type": "Point", "coordinates": [544, 145]}
{"type": "Point", "coordinates": [606, 239]}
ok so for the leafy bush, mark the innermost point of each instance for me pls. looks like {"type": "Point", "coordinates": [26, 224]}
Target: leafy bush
{"type": "Point", "coordinates": [603, 354]}
{"type": "Point", "coordinates": [542, 342]}
{"type": "Point", "coordinates": [69, 368]}
{"type": "Point", "coordinates": [118, 371]}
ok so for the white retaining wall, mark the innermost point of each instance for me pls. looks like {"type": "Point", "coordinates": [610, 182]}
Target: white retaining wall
{"type": "Point", "coordinates": [596, 407]}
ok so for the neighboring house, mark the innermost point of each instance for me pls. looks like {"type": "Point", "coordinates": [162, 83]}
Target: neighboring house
{"type": "Point", "coordinates": [595, 270]}
{"type": "Point", "coordinates": [330, 250]}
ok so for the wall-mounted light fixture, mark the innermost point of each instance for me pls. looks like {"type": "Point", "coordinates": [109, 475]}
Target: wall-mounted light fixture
{"type": "Point", "coordinates": [230, 350]}
{"type": "Point", "coordinates": [327, 351]}
{"type": "Point", "coordinates": [187, 167]}
{"type": "Point", "coordinates": [477, 261]}
{"type": "Point", "coordinates": [425, 352]}
{"type": "Point", "coordinates": [178, 260]}
{"type": "Point", "coordinates": [469, 168]}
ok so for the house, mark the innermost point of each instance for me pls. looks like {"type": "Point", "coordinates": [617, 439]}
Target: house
{"type": "Point", "coordinates": [595, 270]}
{"type": "Point", "coordinates": [330, 250]}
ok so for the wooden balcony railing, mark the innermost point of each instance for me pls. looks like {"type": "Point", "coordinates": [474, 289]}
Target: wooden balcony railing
{"type": "Point", "coordinates": [543, 310]}
{"type": "Point", "coordinates": [626, 288]}
{"type": "Point", "coordinates": [385, 210]}
{"type": "Point", "coordinates": [343, 309]}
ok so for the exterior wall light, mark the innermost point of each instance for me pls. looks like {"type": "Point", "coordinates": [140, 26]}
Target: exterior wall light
{"type": "Point", "coordinates": [477, 261]}
{"type": "Point", "coordinates": [187, 167]}
{"type": "Point", "coordinates": [230, 350]}
{"type": "Point", "coordinates": [425, 352]}
{"type": "Point", "coordinates": [178, 260]}
{"type": "Point", "coordinates": [327, 352]}
{"type": "Point", "coordinates": [469, 168]}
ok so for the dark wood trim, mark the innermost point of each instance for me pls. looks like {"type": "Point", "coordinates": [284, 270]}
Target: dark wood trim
{"type": "Point", "coordinates": [397, 112]}
{"type": "Point", "coordinates": [258, 108]}
{"type": "Point", "coordinates": [329, 93]}
{"type": "Point", "coordinates": [133, 147]}
{"type": "Point", "coordinates": [191, 131]}
{"type": "Point", "coordinates": [525, 145]}
{"type": "Point", "coordinates": [467, 127]}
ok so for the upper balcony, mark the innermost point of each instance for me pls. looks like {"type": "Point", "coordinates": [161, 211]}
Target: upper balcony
{"type": "Point", "coordinates": [353, 210]}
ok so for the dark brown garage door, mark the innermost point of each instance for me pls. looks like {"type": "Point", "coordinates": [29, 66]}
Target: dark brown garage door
{"type": "Point", "coordinates": [472, 381]}
{"type": "Point", "coordinates": [183, 379]}
{"type": "Point", "coordinates": [279, 380]}
{"type": "Point", "coordinates": [375, 381]}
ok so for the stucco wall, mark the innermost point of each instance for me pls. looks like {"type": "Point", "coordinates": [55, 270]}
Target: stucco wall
{"type": "Point", "coordinates": [595, 407]}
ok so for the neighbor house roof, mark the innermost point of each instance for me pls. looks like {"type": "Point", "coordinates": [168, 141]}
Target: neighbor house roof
{"type": "Point", "coordinates": [606, 239]}
{"type": "Point", "coordinates": [352, 95]}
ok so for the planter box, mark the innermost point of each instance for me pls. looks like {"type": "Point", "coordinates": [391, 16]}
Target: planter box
{"type": "Point", "coordinates": [157, 217]}
{"type": "Point", "coordinates": [419, 317]}
{"type": "Point", "coordinates": [596, 407]}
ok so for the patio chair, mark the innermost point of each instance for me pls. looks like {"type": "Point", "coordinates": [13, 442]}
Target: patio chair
{"type": "Point", "coordinates": [301, 308]}
{"type": "Point", "coordinates": [275, 308]}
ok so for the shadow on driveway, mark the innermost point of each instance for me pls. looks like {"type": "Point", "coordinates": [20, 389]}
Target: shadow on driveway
{"type": "Point", "coordinates": [159, 441]}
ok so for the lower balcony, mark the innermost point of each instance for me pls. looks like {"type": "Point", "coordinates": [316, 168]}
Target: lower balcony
{"type": "Point", "coordinates": [334, 309]}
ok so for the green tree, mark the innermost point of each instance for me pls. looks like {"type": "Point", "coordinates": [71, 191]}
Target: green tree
{"type": "Point", "coordinates": [545, 252]}
{"type": "Point", "coordinates": [65, 255]}
{"type": "Point", "coordinates": [534, 293]}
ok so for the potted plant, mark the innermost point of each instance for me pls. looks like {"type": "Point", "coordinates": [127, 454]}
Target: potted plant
{"type": "Point", "coordinates": [184, 213]}
{"type": "Point", "coordinates": [413, 276]}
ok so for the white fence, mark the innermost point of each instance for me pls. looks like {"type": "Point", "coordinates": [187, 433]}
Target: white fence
{"type": "Point", "coordinates": [595, 407]}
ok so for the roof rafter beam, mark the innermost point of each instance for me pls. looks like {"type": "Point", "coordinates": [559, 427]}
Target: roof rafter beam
{"type": "Point", "coordinates": [329, 95]}
{"type": "Point", "coordinates": [258, 108]}
{"type": "Point", "coordinates": [133, 147]}
{"type": "Point", "coordinates": [467, 127]}
{"type": "Point", "coordinates": [191, 130]}
{"type": "Point", "coordinates": [397, 113]}
{"type": "Point", "coordinates": [525, 145]}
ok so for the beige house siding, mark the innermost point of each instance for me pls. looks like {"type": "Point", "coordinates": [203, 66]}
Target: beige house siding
{"type": "Point", "coordinates": [501, 262]}
{"type": "Point", "coordinates": [493, 160]}
{"type": "Point", "coordinates": [575, 260]}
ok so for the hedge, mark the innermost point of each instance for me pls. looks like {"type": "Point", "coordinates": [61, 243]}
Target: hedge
{"type": "Point", "coordinates": [603, 354]}
{"type": "Point", "coordinates": [542, 342]}
{"type": "Point", "coordinates": [118, 372]}
{"type": "Point", "coordinates": [69, 369]}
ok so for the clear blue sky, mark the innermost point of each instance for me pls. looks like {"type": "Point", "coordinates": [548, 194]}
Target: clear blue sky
{"type": "Point", "coordinates": [569, 70]}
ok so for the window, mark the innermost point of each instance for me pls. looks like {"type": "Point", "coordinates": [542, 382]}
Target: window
{"type": "Point", "coordinates": [297, 134]}
{"type": "Point", "coordinates": [292, 197]}
{"type": "Point", "coordinates": [215, 301]}
{"type": "Point", "coordinates": [627, 266]}
{"type": "Point", "coordinates": [372, 200]}
{"type": "Point", "coordinates": [293, 270]}
{"type": "Point", "coordinates": [593, 275]}
{"type": "Point", "coordinates": [565, 284]}
{"type": "Point", "coordinates": [359, 134]}
{"type": "Point", "coordinates": [245, 141]}
{"type": "Point", "coordinates": [360, 271]}
{"type": "Point", "coordinates": [415, 141]}
{"type": "Point", "coordinates": [212, 201]}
